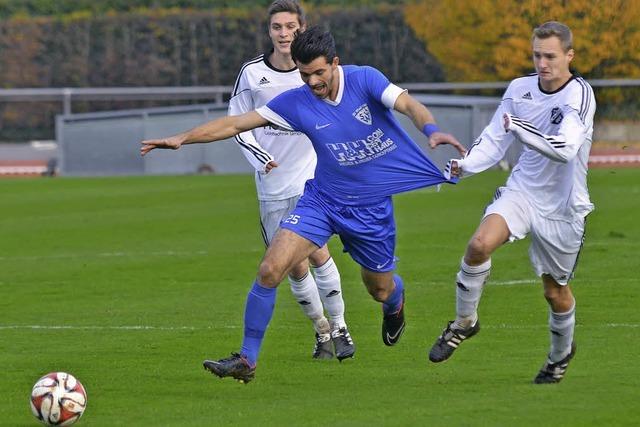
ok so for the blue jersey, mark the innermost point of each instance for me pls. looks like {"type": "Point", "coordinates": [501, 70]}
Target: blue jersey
{"type": "Point", "coordinates": [364, 155]}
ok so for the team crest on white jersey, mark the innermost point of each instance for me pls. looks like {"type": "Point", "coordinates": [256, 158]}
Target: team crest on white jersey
{"type": "Point", "coordinates": [556, 116]}
{"type": "Point", "coordinates": [363, 114]}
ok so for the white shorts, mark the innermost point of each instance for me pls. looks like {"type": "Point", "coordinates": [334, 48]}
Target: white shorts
{"type": "Point", "coordinates": [272, 213]}
{"type": "Point", "coordinates": [555, 244]}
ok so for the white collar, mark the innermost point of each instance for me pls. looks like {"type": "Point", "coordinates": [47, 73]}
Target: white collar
{"type": "Point", "coordinates": [340, 88]}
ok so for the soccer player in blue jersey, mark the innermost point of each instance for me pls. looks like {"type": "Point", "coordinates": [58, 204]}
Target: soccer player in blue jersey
{"type": "Point", "coordinates": [259, 81]}
{"type": "Point", "coordinates": [364, 157]}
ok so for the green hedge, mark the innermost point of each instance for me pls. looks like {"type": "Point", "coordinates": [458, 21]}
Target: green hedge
{"type": "Point", "coordinates": [9, 8]}
{"type": "Point", "coordinates": [173, 47]}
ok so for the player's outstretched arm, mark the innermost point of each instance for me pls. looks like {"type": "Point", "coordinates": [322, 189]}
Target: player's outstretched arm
{"type": "Point", "coordinates": [215, 130]}
{"type": "Point", "coordinates": [424, 121]}
{"type": "Point", "coordinates": [561, 147]}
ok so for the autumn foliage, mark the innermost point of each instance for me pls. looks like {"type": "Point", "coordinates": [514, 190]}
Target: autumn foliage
{"type": "Point", "coordinates": [488, 40]}
{"type": "Point", "coordinates": [80, 43]}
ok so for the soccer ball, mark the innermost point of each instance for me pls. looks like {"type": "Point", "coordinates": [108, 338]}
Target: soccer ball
{"type": "Point", "coordinates": [58, 399]}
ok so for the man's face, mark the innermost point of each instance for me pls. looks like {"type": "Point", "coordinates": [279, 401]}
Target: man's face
{"type": "Point", "coordinates": [319, 75]}
{"type": "Point", "coordinates": [551, 61]}
{"type": "Point", "coordinates": [282, 28]}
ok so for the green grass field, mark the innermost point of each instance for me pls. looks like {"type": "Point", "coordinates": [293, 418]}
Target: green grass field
{"type": "Point", "coordinates": [129, 283]}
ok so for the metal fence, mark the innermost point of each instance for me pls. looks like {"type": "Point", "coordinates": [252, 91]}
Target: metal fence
{"type": "Point", "coordinates": [107, 143]}
{"type": "Point", "coordinates": [218, 94]}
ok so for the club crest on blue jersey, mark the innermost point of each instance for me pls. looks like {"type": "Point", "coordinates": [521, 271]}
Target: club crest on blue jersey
{"type": "Point", "coordinates": [363, 114]}
{"type": "Point", "coordinates": [556, 115]}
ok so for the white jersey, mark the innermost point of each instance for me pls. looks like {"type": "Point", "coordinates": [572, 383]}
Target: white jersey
{"type": "Point", "coordinates": [258, 83]}
{"type": "Point", "coordinates": [555, 129]}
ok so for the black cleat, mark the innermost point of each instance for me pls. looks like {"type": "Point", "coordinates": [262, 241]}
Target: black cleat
{"type": "Point", "coordinates": [323, 348]}
{"type": "Point", "coordinates": [553, 372]}
{"type": "Point", "coordinates": [343, 343]}
{"type": "Point", "coordinates": [450, 339]}
{"type": "Point", "coordinates": [236, 366]}
{"type": "Point", "coordinates": [393, 325]}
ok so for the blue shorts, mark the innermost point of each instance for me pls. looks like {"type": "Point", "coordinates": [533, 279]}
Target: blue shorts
{"type": "Point", "coordinates": [368, 233]}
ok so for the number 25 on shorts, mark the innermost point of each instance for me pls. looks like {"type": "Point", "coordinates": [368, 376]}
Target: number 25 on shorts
{"type": "Point", "coordinates": [292, 219]}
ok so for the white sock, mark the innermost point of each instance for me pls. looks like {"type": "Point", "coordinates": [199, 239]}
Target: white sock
{"type": "Point", "coordinates": [328, 282]}
{"type": "Point", "coordinates": [561, 327]}
{"type": "Point", "coordinates": [305, 292]}
{"type": "Point", "coordinates": [469, 283]}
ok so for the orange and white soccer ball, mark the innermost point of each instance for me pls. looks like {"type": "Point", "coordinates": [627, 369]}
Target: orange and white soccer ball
{"type": "Point", "coordinates": [58, 399]}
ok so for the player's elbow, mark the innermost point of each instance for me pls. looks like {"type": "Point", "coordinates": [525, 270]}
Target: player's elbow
{"type": "Point", "coordinates": [563, 149]}
{"type": "Point", "coordinates": [563, 156]}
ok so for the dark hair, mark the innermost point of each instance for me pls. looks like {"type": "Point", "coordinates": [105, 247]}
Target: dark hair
{"type": "Point", "coordinates": [557, 29]}
{"type": "Point", "coordinates": [291, 6]}
{"type": "Point", "coordinates": [313, 43]}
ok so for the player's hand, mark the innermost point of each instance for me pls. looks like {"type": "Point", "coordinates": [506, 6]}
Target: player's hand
{"type": "Point", "coordinates": [438, 138]}
{"type": "Point", "coordinates": [270, 165]}
{"type": "Point", "coordinates": [452, 169]}
{"type": "Point", "coordinates": [506, 121]}
{"type": "Point", "coordinates": [173, 142]}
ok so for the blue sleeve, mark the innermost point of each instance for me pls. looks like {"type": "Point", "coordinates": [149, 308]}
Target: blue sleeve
{"type": "Point", "coordinates": [375, 82]}
{"type": "Point", "coordinates": [285, 105]}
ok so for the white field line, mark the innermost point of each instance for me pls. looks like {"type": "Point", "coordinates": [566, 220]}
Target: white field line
{"type": "Point", "coordinates": [205, 328]}
{"type": "Point", "coordinates": [117, 328]}
{"type": "Point", "coordinates": [102, 255]}
{"type": "Point", "coordinates": [489, 283]}
{"type": "Point", "coordinates": [512, 282]}
{"type": "Point", "coordinates": [619, 242]}
{"type": "Point", "coordinates": [534, 281]}
{"type": "Point", "coordinates": [447, 283]}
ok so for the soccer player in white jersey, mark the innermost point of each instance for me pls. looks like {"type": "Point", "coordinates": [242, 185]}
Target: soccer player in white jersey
{"type": "Point", "coordinates": [551, 114]}
{"type": "Point", "coordinates": [280, 187]}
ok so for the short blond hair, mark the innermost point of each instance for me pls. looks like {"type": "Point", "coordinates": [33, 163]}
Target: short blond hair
{"type": "Point", "coordinates": [557, 29]}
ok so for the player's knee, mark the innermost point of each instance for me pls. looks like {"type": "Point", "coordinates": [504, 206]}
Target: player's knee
{"type": "Point", "coordinates": [559, 298]}
{"type": "Point", "coordinates": [269, 275]}
{"type": "Point", "coordinates": [558, 302]}
{"type": "Point", "coordinates": [379, 293]}
{"type": "Point", "coordinates": [551, 295]}
{"type": "Point", "coordinates": [479, 250]}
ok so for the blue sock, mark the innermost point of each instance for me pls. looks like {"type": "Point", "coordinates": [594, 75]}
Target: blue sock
{"type": "Point", "coordinates": [394, 302]}
{"type": "Point", "coordinates": [257, 314]}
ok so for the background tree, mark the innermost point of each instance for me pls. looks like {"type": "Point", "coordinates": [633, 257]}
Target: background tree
{"type": "Point", "coordinates": [485, 40]}
{"type": "Point", "coordinates": [157, 46]}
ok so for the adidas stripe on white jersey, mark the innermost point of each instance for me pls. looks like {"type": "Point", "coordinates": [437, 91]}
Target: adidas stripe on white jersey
{"type": "Point", "coordinates": [258, 82]}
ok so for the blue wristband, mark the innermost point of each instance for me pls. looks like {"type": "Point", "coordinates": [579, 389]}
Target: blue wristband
{"type": "Point", "coordinates": [430, 128]}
